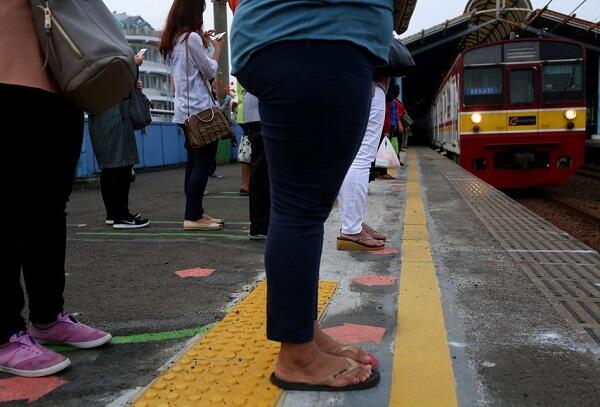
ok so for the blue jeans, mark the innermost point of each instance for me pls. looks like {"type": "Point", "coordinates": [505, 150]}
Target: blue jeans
{"type": "Point", "coordinates": [314, 101]}
{"type": "Point", "coordinates": [200, 165]}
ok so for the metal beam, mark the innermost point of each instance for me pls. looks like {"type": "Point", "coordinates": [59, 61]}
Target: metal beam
{"type": "Point", "coordinates": [445, 40]}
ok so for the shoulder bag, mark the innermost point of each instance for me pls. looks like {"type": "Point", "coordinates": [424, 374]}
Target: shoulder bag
{"type": "Point", "coordinates": [207, 126]}
{"type": "Point", "coordinates": [86, 51]}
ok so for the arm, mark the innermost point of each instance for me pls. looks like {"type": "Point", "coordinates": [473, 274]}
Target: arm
{"type": "Point", "coordinates": [206, 65]}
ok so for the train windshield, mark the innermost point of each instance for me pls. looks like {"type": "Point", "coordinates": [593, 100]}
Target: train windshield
{"type": "Point", "coordinates": [562, 82]}
{"type": "Point", "coordinates": [483, 86]}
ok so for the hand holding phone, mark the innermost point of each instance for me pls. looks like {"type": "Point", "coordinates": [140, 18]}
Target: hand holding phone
{"type": "Point", "coordinates": [142, 52]}
{"type": "Point", "coordinates": [217, 37]}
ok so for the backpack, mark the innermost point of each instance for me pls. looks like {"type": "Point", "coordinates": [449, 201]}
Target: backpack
{"type": "Point", "coordinates": [86, 51]}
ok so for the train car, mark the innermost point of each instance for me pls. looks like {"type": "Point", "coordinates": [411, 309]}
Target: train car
{"type": "Point", "coordinates": [514, 112]}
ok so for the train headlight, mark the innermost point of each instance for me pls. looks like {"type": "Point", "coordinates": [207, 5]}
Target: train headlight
{"type": "Point", "coordinates": [571, 114]}
{"type": "Point", "coordinates": [476, 118]}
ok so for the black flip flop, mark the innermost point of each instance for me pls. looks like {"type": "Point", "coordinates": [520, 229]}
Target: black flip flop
{"type": "Point", "coordinates": [372, 381]}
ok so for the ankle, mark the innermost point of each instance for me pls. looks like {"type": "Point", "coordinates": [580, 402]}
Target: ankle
{"type": "Point", "coordinates": [298, 355]}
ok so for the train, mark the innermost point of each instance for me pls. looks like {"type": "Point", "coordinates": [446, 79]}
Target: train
{"type": "Point", "coordinates": [514, 112]}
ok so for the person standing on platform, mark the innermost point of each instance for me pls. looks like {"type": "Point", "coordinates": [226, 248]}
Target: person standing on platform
{"type": "Point", "coordinates": [355, 233]}
{"type": "Point", "coordinates": [238, 132]}
{"type": "Point", "coordinates": [393, 128]}
{"type": "Point", "coordinates": [291, 54]}
{"type": "Point", "coordinates": [185, 49]}
{"type": "Point", "coordinates": [37, 179]}
{"type": "Point", "coordinates": [115, 149]}
{"type": "Point", "coordinates": [260, 197]}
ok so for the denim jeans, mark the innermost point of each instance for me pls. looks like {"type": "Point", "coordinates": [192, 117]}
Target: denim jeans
{"type": "Point", "coordinates": [200, 165]}
{"type": "Point", "coordinates": [314, 99]}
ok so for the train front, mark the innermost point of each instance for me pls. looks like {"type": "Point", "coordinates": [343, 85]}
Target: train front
{"type": "Point", "coordinates": [523, 112]}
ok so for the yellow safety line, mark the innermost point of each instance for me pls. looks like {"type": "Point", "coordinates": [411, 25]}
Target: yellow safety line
{"type": "Point", "coordinates": [231, 365]}
{"type": "Point", "coordinates": [422, 369]}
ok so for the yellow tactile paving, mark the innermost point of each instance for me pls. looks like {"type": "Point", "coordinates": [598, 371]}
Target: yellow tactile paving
{"type": "Point", "coordinates": [422, 369]}
{"type": "Point", "coordinates": [229, 366]}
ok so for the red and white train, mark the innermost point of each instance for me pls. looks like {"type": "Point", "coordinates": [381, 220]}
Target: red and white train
{"type": "Point", "coordinates": [514, 112]}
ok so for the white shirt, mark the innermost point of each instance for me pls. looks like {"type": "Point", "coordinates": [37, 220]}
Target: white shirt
{"type": "Point", "coordinates": [251, 108]}
{"type": "Point", "coordinates": [189, 78]}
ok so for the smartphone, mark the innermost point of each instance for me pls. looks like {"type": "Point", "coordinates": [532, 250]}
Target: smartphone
{"type": "Point", "coordinates": [218, 36]}
{"type": "Point", "coordinates": [142, 52]}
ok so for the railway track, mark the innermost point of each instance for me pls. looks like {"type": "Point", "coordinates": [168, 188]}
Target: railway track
{"type": "Point", "coordinates": [589, 171]}
{"type": "Point", "coordinates": [575, 210]}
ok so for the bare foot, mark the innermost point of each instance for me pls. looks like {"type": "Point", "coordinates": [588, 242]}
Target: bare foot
{"type": "Point", "coordinates": [364, 239]}
{"type": "Point", "coordinates": [373, 233]}
{"type": "Point", "coordinates": [329, 345]}
{"type": "Point", "coordinates": [306, 363]}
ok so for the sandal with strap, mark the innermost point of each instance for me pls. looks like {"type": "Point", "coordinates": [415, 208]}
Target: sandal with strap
{"type": "Point", "coordinates": [344, 243]}
{"type": "Point", "coordinates": [375, 234]}
{"type": "Point", "coordinates": [347, 348]}
{"type": "Point", "coordinates": [325, 383]}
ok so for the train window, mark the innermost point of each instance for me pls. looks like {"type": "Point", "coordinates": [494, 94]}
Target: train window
{"type": "Point", "coordinates": [522, 86]}
{"type": "Point", "coordinates": [560, 50]}
{"type": "Point", "coordinates": [562, 82]}
{"type": "Point", "coordinates": [483, 86]}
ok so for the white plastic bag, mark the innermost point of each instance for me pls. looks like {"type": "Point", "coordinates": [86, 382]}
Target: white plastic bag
{"type": "Point", "coordinates": [245, 150]}
{"type": "Point", "coordinates": [386, 156]}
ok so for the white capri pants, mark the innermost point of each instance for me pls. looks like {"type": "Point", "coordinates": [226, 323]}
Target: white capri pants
{"type": "Point", "coordinates": [352, 198]}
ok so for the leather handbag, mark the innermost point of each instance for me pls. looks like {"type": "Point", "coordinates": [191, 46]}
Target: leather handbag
{"type": "Point", "coordinates": [207, 126]}
{"type": "Point", "coordinates": [399, 61]}
{"type": "Point", "coordinates": [86, 52]}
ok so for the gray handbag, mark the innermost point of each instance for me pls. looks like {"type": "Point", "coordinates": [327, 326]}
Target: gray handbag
{"type": "Point", "coordinates": [86, 51]}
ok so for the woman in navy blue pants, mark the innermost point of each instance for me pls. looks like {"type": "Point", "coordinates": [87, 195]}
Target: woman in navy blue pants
{"type": "Point", "coordinates": [313, 120]}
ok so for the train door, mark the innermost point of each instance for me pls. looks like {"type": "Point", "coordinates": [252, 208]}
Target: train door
{"type": "Point", "coordinates": [523, 101]}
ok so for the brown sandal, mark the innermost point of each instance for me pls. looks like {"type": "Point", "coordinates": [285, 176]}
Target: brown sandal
{"type": "Point", "coordinates": [344, 243]}
{"type": "Point", "coordinates": [325, 384]}
{"type": "Point", "coordinates": [375, 234]}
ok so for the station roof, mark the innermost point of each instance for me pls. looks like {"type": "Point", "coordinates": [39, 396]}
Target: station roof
{"type": "Point", "coordinates": [434, 49]}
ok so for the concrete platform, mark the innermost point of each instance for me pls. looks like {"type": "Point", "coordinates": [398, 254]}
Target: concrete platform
{"type": "Point", "coordinates": [497, 307]}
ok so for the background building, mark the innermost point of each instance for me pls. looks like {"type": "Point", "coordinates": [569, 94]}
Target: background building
{"type": "Point", "coordinates": [154, 72]}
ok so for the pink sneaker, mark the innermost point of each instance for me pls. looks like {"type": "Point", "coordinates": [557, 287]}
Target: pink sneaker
{"type": "Point", "coordinates": [69, 331]}
{"type": "Point", "coordinates": [23, 357]}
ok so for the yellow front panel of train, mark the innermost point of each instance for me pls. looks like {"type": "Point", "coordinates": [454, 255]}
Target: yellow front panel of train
{"type": "Point", "coordinates": [521, 121]}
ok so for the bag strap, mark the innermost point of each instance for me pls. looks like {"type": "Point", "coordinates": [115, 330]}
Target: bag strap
{"type": "Point", "coordinates": [187, 76]}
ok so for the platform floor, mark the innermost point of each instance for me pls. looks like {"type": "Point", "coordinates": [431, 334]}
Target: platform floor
{"type": "Point", "coordinates": [497, 307]}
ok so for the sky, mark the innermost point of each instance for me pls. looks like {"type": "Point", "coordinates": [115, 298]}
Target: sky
{"type": "Point", "coordinates": [427, 14]}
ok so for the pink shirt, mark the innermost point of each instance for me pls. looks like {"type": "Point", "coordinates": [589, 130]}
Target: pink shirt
{"type": "Point", "coordinates": [21, 57]}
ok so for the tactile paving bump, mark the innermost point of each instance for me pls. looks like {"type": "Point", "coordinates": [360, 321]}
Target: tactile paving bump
{"type": "Point", "coordinates": [229, 366]}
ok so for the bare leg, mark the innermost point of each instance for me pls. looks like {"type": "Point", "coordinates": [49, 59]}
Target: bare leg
{"type": "Point", "coordinates": [245, 177]}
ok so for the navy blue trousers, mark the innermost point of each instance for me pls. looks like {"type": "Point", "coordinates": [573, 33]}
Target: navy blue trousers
{"type": "Point", "coordinates": [314, 99]}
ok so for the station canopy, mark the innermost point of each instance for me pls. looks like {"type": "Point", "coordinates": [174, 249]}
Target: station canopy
{"type": "Point", "coordinates": [484, 21]}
